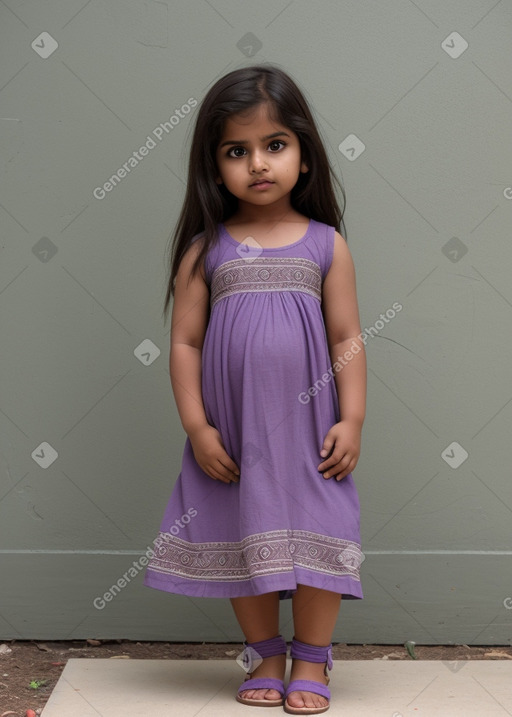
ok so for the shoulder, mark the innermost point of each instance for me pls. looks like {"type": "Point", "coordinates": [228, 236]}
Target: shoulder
{"type": "Point", "coordinates": [196, 244]}
{"type": "Point", "coordinates": [341, 258]}
{"type": "Point", "coordinates": [340, 244]}
{"type": "Point", "coordinates": [322, 244]}
{"type": "Point", "coordinates": [190, 256]}
{"type": "Point", "coordinates": [328, 233]}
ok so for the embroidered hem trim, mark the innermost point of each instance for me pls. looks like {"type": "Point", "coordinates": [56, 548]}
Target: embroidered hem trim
{"type": "Point", "coordinates": [258, 555]}
{"type": "Point", "coordinates": [266, 273]}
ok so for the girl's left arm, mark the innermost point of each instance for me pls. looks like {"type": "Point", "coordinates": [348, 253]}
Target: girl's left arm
{"type": "Point", "coordinates": [342, 443]}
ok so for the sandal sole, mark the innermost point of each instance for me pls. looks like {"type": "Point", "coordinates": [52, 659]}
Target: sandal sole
{"type": "Point", "coordinates": [304, 710]}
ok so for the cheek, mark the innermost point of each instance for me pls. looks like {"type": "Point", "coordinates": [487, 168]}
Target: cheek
{"type": "Point", "coordinates": [292, 170]}
{"type": "Point", "coordinates": [291, 164]}
{"type": "Point", "coordinates": [223, 163]}
{"type": "Point", "coordinates": [232, 172]}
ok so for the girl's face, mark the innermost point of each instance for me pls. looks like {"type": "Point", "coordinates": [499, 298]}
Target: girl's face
{"type": "Point", "coordinates": [258, 160]}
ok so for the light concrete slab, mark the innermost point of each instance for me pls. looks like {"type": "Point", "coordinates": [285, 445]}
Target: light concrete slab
{"type": "Point", "coordinates": [188, 688]}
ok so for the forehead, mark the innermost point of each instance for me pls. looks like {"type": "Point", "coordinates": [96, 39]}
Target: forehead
{"type": "Point", "coordinates": [256, 121]}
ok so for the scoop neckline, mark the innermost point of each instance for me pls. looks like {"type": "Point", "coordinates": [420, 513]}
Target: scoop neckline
{"type": "Point", "coordinates": [232, 240]}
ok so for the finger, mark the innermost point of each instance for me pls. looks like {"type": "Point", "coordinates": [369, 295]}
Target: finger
{"type": "Point", "coordinates": [214, 473]}
{"type": "Point", "coordinates": [226, 472]}
{"type": "Point", "coordinates": [338, 466]}
{"type": "Point", "coordinates": [344, 473]}
{"type": "Point", "coordinates": [326, 446]}
{"type": "Point", "coordinates": [333, 461]}
{"type": "Point", "coordinates": [329, 462]}
{"type": "Point", "coordinates": [217, 476]}
{"type": "Point", "coordinates": [231, 466]}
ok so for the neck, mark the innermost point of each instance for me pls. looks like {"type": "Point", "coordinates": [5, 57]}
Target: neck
{"type": "Point", "coordinates": [253, 214]}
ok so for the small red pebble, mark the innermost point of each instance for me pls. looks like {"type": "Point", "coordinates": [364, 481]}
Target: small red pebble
{"type": "Point", "coordinates": [58, 664]}
{"type": "Point", "coordinates": [30, 713]}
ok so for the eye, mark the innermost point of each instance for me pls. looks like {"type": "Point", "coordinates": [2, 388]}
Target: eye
{"type": "Point", "coordinates": [236, 152]}
{"type": "Point", "coordinates": [276, 145]}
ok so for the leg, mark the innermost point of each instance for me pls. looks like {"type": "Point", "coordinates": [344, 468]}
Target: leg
{"type": "Point", "coordinates": [258, 617]}
{"type": "Point", "coordinates": [315, 613]}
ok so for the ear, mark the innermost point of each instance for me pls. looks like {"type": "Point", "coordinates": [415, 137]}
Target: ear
{"type": "Point", "coordinates": [304, 168]}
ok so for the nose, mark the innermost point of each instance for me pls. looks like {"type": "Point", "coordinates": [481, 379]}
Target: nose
{"type": "Point", "coordinates": [258, 161]}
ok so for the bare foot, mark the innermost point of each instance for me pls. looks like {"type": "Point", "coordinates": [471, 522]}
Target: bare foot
{"type": "Point", "coordinates": [270, 667]}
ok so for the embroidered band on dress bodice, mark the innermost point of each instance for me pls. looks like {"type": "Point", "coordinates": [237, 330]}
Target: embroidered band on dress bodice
{"type": "Point", "coordinates": [266, 273]}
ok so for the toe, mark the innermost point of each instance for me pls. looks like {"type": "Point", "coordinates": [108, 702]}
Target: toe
{"type": "Point", "coordinates": [297, 699]}
{"type": "Point", "coordinates": [272, 695]}
{"type": "Point", "coordinates": [260, 694]}
{"type": "Point", "coordinates": [306, 699]}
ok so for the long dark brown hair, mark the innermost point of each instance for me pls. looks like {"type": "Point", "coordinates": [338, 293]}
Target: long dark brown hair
{"type": "Point", "coordinates": [207, 203]}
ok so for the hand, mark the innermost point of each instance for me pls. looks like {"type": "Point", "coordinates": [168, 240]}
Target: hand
{"type": "Point", "coordinates": [211, 455]}
{"type": "Point", "coordinates": [344, 438]}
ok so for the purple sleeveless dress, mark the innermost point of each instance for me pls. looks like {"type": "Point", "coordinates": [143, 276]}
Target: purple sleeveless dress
{"type": "Point", "coordinates": [283, 523]}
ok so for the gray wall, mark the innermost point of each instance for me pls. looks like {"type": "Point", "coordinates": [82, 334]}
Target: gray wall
{"type": "Point", "coordinates": [82, 285]}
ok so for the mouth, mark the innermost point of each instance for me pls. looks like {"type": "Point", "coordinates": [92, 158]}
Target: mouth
{"type": "Point", "coordinates": [261, 183]}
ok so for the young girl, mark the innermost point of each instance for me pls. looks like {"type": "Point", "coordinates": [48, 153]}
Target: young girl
{"type": "Point", "coordinates": [269, 378]}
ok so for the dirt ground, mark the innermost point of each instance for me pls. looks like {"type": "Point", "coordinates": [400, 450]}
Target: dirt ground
{"type": "Point", "coordinates": [29, 672]}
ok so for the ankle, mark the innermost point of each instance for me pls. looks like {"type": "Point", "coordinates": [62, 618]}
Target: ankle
{"type": "Point", "coordinates": [308, 670]}
{"type": "Point", "coordinates": [270, 666]}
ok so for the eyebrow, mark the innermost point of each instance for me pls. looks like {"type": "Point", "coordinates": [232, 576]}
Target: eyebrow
{"type": "Point", "coordinates": [246, 141]}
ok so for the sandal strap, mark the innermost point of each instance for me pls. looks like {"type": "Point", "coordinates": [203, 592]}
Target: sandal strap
{"type": "Point", "coordinates": [308, 686]}
{"type": "Point", "coordinates": [263, 683]}
{"type": "Point", "coordinates": [269, 648]}
{"type": "Point", "coordinates": [254, 652]}
{"type": "Point", "coordinates": [312, 653]}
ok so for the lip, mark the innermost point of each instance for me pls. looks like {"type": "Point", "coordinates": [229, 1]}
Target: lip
{"type": "Point", "coordinates": [262, 184]}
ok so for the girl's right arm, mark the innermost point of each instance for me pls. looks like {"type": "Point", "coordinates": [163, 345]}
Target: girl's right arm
{"type": "Point", "coordinates": [188, 328]}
